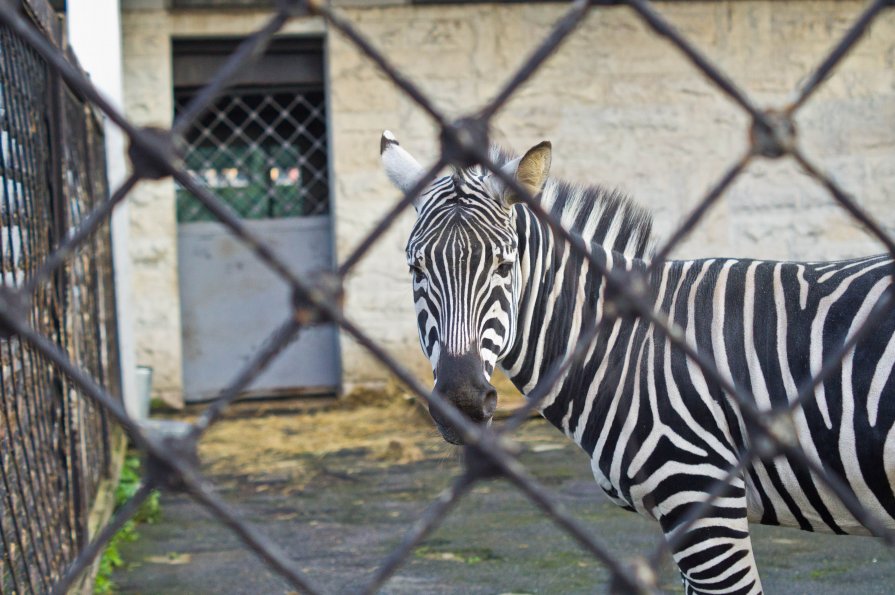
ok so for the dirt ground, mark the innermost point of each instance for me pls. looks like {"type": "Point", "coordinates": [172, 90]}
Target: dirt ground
{"type": "Point", "coordinates": [338, 485]}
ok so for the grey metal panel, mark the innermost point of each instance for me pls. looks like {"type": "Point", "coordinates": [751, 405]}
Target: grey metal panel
{"type": "Point", "coordinates": [231, 303]}
{"type": "Point", "coordinates": [193, 71]}
{"type": "Point", "coordinates": [287, 61]}
{"type": "Point", "coordinates": [266, 4]}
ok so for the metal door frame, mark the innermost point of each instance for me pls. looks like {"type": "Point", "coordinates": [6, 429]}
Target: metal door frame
{"type": "Point", "coordinates": [194, 58]}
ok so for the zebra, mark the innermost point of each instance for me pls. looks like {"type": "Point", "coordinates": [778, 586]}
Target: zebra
{"type": "Point", "coordinates": [493, 285]}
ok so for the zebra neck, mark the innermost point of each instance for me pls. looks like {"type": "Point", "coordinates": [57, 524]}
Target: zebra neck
{"type": "Point", "coordinates": [562, 297]}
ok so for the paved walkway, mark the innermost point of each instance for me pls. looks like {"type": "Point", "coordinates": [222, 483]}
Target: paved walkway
{"type": "Point", "coordinates": [340, 510]}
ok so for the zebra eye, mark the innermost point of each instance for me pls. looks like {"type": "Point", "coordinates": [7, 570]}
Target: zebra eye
{"type": "Point", "coordinates": [504, 269]}
{"type": "Point", "coordinates": [416, 271]}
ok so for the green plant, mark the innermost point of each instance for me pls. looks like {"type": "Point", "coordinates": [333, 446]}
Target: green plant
{"type": "Point", "coordinates": [128, 485]}
{"type": "Point", "coordinates": [149, 512]}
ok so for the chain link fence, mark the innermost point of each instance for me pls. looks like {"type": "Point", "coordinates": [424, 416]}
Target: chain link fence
{"type": "Point", "coordinates": [49, 330]}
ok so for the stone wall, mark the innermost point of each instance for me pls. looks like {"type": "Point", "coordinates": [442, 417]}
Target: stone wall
{"type": "Point", "coordinates": [621, 105]}
{"type": "Point", "coordinates": [625, 109]}
{"type": "Point", "coordinates": [153, 226]}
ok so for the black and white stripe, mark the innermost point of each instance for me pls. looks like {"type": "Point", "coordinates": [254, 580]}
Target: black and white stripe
{"type": "Point", "coordinates": [462, 256]}
{"type": "Point", "coordinates": [659, 433]}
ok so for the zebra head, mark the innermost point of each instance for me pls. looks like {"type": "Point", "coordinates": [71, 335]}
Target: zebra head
{"type": "Point", "coordinates": [462, 254]}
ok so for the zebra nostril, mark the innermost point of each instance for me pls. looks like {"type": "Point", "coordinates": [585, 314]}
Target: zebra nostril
{"type": "Point", "coordinates": [489, 403]}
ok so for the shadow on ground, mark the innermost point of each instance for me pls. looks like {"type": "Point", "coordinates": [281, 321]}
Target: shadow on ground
{"type": "Point", "coordinates": [338, 487]}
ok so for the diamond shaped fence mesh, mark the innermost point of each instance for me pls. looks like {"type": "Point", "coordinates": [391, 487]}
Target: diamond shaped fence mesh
{"type": "Point", "coordinates": [262, 152]}
{"type": "Point", "coordinates": [59, 384]}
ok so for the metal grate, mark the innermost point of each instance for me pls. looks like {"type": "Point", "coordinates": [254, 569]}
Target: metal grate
{"type": "Point", "coordinates": [263, 153]}
{"type": "Point", "coordinates": [172, 456]}
{"type": "Point", "coordinates": [54, 443]}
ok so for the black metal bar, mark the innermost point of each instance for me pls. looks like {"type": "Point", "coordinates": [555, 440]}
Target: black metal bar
{"type": "Point", "coordinates": [15, 165]}
{"type": "Point", "coordinates": [98, 543]}
{"type": "Point", "coordinates": [662, 27]}
{"type": "Point", "coordinates": [272, 347]}
{"type": "Point", "coordinates": [561, 31]}
{"type": "Point", "coordinates": [23, 77]}
{"type": "Point", "coordinates": [855, 32]}
{"type": "Point", "coordinates": [96, 329]}
{"type": "Point", "coordinates": [23, 465]}
{"type": "Point", "coordinates": [11, 488]}
{"type": "Point", "coordinates": [428, 522]}
{"type": "Point", "coordinates": [247, 53]}
{"type": "Point", "coordinates": [45, 18]}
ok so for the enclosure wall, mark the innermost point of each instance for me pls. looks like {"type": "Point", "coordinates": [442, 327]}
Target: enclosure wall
{"type": "Point", "coordinates": [622, 110]}
{"type": "Point", "coordinates": [620, 107]}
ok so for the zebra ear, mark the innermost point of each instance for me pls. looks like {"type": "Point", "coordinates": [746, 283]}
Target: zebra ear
{"type": "Point", "coordinates": [400, 166]}
{"type": "Point", "coordinates": [530, 171]}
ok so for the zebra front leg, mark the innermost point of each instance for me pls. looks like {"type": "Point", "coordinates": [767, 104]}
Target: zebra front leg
{"type": "Point", "coordinates": [715, 553]}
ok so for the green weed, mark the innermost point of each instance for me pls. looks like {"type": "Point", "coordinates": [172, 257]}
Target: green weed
{"type": "Point", "coordinates": [149, 512]}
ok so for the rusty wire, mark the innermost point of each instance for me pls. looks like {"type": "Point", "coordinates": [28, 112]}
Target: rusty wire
{"type": "Point", "coordinates": [172, 459]}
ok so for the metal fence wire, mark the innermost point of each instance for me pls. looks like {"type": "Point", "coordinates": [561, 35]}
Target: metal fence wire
{"type": "Point", "coordinates": [52, 329]}
{"type": "Point", "coordinates": [54, 442]}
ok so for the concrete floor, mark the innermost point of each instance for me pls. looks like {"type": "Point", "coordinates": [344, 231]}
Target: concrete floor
{"type": "Point", "coordinates": [339, 521]}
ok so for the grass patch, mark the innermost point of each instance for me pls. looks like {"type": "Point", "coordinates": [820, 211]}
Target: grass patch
{"type": "Point", "coordinates": [149, 512]}
{"type": "Point", "coordinates": [826, 572]}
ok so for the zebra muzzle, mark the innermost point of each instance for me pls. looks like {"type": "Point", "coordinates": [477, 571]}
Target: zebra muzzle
{"type": "Point", "coordinates": [461, 380]}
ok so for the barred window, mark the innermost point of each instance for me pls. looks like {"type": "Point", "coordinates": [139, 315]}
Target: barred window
{"type": "Point", "coordinates": [262, 146]}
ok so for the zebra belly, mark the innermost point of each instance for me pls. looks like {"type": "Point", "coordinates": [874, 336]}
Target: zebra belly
{"type": "Point", "coordinates": [783, 493]}
{"type": "Point", "coordinates": [790, 496]}
{"type": "Point", "coordinates": [840, 436]}
{"type": "Point", "coordinates": [808, 518]}
{"type": "Point", "coordinates": [796, 509]}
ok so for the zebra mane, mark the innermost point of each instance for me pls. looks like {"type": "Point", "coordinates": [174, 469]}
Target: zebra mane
{"type": "Point", "coordinates": [597, 214]}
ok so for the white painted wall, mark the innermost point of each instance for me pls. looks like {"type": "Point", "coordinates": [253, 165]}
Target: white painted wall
{"type": "Point", "coordinates": [94, 32]}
